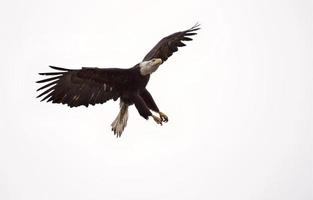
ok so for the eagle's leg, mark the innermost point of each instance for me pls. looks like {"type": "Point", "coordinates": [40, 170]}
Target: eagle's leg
{"type": "Point", "coordinates": [143, 109]}
{"type": "Point", "coordinates": [152, 105]}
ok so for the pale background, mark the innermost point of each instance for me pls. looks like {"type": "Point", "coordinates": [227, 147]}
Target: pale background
{"type": "Point", "coordinates": [239, 98]}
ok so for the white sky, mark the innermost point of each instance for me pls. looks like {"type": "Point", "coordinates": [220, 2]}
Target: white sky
{"type": "Point", "coordinates": [239, 99]}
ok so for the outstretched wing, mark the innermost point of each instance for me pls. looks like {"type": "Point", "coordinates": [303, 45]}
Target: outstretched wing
{"type": "Point", "coordinates": [168, 45]}
{"type": "Point", "coordinates": [81, 87]}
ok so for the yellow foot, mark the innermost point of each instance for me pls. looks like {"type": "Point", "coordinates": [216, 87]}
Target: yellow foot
{"type": "Point", "coordinates": [163, 117]}
{"type": "Point", "coordinates": [157, 119]}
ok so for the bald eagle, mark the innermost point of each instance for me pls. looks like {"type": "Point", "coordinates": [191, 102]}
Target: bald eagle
{"type": "Point", "coordinates": [90, 86]}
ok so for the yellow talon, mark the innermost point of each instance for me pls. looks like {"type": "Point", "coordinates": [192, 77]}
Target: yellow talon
{"type": "Point", "coordinates": [163, 117]}
{"type": "Point", "coordinates": [157, 119]}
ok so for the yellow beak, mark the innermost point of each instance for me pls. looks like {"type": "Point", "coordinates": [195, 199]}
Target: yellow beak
{"type": "Point", "coordinates": [158, 61]}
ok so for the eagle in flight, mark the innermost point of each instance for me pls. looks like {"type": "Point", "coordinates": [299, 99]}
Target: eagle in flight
{"type": "Point", "coordinates": [76, 87]}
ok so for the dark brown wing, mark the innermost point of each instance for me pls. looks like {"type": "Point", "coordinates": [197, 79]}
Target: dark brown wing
{"type": "Point", "coordinates": [81, 87]}
{"type": "Point", "coordinates": [168, 45]}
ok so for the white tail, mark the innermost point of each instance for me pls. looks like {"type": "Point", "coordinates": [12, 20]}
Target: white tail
{"type": "Point", "coordinates": [120, 121]}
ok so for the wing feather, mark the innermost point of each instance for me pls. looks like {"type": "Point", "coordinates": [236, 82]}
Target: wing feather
{"type": "Point", "coordinates": [168, 45]}
{"type": "Point", "coordinates": [81, 87]}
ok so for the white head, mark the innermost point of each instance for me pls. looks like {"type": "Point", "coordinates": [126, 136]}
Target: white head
{"type": "Point", "coordinates": [150, 66]}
